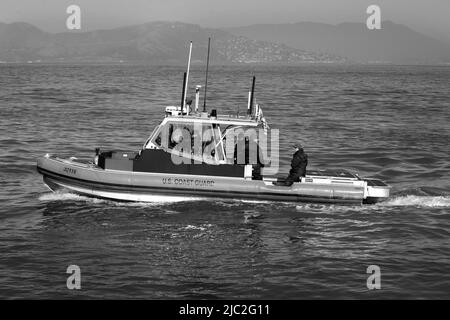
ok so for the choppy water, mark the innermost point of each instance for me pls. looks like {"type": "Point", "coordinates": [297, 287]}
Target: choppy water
{"type": "Point", "coordinates": [387, 122]}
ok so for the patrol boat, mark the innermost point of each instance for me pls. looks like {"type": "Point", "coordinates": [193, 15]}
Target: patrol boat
{"type": "Point", "coordinates": [161, 167]}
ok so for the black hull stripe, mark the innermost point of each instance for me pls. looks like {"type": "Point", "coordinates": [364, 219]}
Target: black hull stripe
{"type": "Point", "coordinates": [112, 187]}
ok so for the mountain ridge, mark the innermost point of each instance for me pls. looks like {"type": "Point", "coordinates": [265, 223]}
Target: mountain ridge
{"type": "Point", "coordinates": [394, 43]}
{"type": "Point", "coordinates": [166, 42]}
{"type": "Point", "coordinates": [155, 42]}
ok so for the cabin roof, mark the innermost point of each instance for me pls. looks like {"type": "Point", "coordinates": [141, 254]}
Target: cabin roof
{"type": "Point", "coordinates": [222, 119]}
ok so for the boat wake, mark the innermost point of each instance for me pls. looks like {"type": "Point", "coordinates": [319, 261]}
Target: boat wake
{"type": "Point", "coordinates": [399, 201]}
{"type": "Point", "coordinates": [66, 196]}
{"type": "Point", "coordinates": [417, 201]}
{"type": "Point", "coordinates": [150, 200]}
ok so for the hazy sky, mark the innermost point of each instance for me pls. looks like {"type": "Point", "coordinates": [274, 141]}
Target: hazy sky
{"type": "Point", "coordinates": [427, 16]}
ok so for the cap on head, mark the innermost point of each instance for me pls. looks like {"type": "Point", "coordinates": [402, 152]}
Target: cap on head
{"type": "Point", "coordinates": [297, 145]}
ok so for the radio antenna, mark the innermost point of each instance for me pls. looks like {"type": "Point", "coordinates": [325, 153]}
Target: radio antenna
{"type": "Point", "coordinates": [187, 76]}
{"type": "Point", "coordinates": [206, 78]}
{"type": "Point", "coordinates": [252, 97]}
{"type": "Point", "coordinates": [183, 93]}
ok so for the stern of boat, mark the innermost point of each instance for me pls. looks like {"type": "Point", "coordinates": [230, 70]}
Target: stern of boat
{"type": "Point", "coordinates": [376, 191]}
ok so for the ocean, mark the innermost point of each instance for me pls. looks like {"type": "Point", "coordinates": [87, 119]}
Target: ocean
{"type": "Point", "coordinates": [383, 121]}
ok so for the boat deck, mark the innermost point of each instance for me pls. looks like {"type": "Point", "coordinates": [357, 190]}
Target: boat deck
{"type": "Point", "coordinates": [331, 173]}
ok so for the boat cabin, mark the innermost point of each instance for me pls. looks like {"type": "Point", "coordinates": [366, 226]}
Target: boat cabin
{"type": "Point", "coordinates": [201, 137]}
{"type": "Point", "coordinates": [193, 143]}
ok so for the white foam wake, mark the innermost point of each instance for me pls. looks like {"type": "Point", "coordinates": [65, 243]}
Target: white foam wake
{"type": "Point", "coordinates": [401, 201]}
{"type": "Point", "coordinates": [202, 227]}
{"type": "Point", "coordinates": [149, 199]}
{"type": "Point", "coordinates": [62, 196]}
{"type": "Point", "coordinates": [419, 201]}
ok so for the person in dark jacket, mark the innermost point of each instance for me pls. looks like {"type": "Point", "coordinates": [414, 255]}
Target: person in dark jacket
{"type": "Point", "coordinates": [298, 165]}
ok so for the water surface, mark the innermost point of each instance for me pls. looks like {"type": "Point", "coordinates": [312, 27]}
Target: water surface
{"type": "Point", "coordinates": [387, 122]}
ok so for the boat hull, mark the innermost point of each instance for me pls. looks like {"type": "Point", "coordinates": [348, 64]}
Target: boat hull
{"type": "Point", "coordinates": [90, 180]}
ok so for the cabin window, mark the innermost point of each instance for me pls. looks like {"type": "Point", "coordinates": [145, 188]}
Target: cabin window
{"type": "Point", "coordinates": [158, 140]}
{"type": "Point", "coordinates": [219, 142]}
{"type": "Point", "coordinates": [212, 145]}
{"type": "Point", "coordinates": [170, 134]}
{"type": "Point", "coordinates": [208, 138]}
{"type": "Point", "coordinates": [179, 131]}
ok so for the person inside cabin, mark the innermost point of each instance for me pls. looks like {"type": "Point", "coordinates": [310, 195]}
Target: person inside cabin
{"type": "Point", "coordinates": [208, 138]}
{"type": "Point", "coordinates": [298, 165]}
{"type": "Point", "coordinates": [188, 105]}
{"type": "Point", "coordinates": [249, 159]}
{"type": "Point", "coordinates": [257, 174]}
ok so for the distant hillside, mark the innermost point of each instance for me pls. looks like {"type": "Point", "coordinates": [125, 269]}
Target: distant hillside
{"type": "Point", "coordinates": [156, 42]}
{"type": "Point", "coordinates": [393, 43]}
